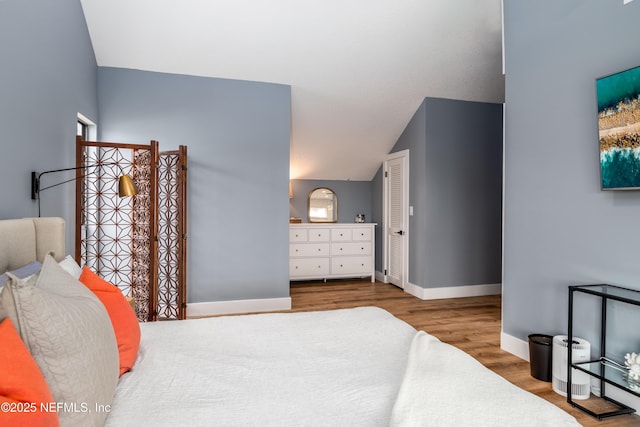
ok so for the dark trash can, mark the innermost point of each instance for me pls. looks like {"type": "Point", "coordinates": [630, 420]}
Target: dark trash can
{"type": "Point", "coordinates": [540, 358]}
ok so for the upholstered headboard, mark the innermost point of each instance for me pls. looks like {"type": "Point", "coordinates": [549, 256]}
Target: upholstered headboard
{"type": "Point", "coordinates": [30, 239]}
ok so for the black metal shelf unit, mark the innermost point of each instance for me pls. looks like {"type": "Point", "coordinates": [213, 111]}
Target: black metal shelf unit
{"type": "Point", "coordinates": [606, 370]}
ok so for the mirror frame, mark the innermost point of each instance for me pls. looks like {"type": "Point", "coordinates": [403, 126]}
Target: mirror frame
{"type": "Point", "coordinates": [335, 207]}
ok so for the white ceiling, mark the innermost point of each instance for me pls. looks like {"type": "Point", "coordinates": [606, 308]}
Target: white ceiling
{"type": "Point", "coordinates": [358, 69]}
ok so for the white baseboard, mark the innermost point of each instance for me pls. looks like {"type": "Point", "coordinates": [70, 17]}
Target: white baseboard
{"type": "Point", "coordinates": [414, 290]}
{"type": "Point", "coordinates": [380, 277]}
{"type": "Point", "coordinates": [515, 346]}
{"type": "Point", "coordinates": [453, 291]}
{"type": "Point", "coordinates": [216, 308]}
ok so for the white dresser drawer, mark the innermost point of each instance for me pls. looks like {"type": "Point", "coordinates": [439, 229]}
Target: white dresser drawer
{"type": "Point", "coordinates": [297, 235]}
{"type": "Point", "coordinates": [350, 248]}
{"type": "Point", "coordinates": [340, 234]}
{"type": "Point", "coordinates": [351, 265]}
{"type": "Point", "coordinates": [318, 235]}
{"type": "Point", "coordinates": [362, 234]}
{"type": "Point", "coordinates": [308, 249]}
{"type": "Point", "coordinates": [317, 267]}
{"type": "Point", "coordinates": [331, 251]}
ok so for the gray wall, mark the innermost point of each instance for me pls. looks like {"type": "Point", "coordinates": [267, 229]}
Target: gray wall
{"type": "Point", "coordinates": [237, 134]}
{"type": "Point", "coordinates": [559, 228]}
{"type": "Point", "coordinates": [47, 75]}
{"type": "Point", "coordinates": [455, 167]}
{"type": "Point", "coordinates": [354, 197]}
{"type": "Point", "coordinates": [463, 189]}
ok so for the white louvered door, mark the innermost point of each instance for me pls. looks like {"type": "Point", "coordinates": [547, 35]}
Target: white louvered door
{"type": "Point", "coordinates": [396, 220]}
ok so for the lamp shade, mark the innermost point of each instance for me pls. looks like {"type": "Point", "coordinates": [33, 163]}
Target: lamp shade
{"type": "Point", "coordinates": [126, 187]}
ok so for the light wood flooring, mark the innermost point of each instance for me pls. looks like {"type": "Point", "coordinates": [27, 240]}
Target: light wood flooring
{"type": "Point", "coordinates": [471, 324]}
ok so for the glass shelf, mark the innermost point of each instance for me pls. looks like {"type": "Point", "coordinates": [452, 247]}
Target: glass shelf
{"type": "Point", "coordinates": [610, 371]}
{"type": "Point", "coordinates": [606, 370]}
{"type": "Point", "coordinates": [617, 293]}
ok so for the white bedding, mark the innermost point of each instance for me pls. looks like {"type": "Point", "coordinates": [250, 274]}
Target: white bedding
{"type": "Point", "coordinates": [353, 367]}
{"type": "Point", "coordinates": [444, 386]}
{"type": "Point", "coordinates": [334, 368]}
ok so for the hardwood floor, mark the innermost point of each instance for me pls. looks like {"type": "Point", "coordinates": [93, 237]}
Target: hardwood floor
{"type": "Point", "coordinates": [471, 324]}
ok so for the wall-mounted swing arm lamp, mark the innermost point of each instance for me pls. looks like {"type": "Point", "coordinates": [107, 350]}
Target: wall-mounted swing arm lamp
{"type": "Point", "coordinates": [126, 187]}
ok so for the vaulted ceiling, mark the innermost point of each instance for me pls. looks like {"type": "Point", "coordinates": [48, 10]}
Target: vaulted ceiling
{"type": "Point", "coordinates": [358, 69]}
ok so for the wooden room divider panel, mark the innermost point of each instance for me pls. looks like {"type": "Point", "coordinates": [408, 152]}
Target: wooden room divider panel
{"type": "Point", "coordinates": [118, 237]}
{"type": "Point", "coordinates": [172, 234]}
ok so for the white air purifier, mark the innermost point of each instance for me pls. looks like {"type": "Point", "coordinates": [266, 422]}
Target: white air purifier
{"type": "Point", "coordinates": [580, 381]}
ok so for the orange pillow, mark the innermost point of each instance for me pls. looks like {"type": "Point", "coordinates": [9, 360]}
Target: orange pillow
{"type": "Point", "coordinates": [24, 393]}
{"type": "Point", "coordinates": [124, 320]}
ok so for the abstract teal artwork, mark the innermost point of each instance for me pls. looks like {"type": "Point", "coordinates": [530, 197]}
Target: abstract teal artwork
{"type": "Point", "coordinates": [619, 129]}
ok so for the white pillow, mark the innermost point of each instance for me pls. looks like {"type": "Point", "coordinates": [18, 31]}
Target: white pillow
{"type": "Point", "coordinates": [70, 265]}
{"type": "Point", "coordinates": [69, 334]}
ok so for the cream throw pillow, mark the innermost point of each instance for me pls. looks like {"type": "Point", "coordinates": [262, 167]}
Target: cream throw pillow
{"type": "Point", "coordinates": [70, 265]}
{"type": "Point", "coordinates": [68, 332]}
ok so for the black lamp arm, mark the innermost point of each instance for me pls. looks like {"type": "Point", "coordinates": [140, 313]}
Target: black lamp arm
{"type": "Point", "coordinates": [35, 178]}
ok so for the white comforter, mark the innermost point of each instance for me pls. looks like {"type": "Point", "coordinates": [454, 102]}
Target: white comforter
{"type": "Point", "coordinates": [332, 368]}
{"type": "Point", "coordinates": [444, 386]}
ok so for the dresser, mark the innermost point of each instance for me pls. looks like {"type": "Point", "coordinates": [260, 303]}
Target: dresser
{"type": "Point", "coordinates": [331, 251]}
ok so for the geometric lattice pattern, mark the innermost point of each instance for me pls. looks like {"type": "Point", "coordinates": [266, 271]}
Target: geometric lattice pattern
{"type": "Point", "coordinates": [116, 233]}
{"type": "Point", "coordinates": [170, 299]}
{"type": "Point", "coordinates": [136, 243]}
{"type": "Point", "coordinates": [141, 256]}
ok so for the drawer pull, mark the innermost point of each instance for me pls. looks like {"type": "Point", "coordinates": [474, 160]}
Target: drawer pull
{"type": "Point", "coordinates": [319, 249]}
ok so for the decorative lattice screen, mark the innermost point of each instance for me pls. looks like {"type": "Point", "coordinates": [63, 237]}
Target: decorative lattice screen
{"type": "Point", "coordinates": [118, 237]}
{"type": "Point", "coordinates": [172, 167]}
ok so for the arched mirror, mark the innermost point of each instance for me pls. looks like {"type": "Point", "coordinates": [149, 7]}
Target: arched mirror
{"type": "Point", "coordinates": [323, 205]}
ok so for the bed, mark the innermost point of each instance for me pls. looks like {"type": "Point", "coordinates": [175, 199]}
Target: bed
{"type": "Point", "coordinates": [350, 367]}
